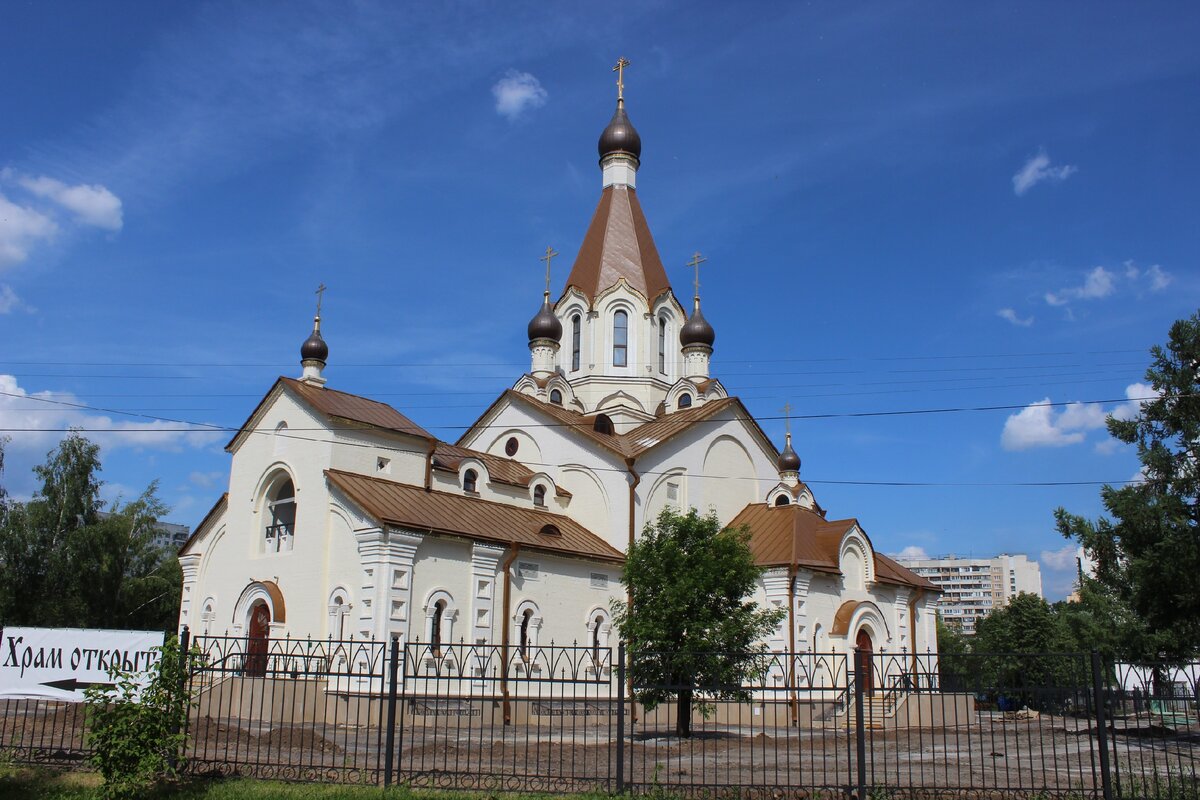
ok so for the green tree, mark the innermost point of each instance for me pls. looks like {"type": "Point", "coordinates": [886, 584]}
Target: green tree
{"type": "Point", "coordinates": [1147, 555]}
{"type": "Point", "coordinates": [66, 562]}
{"type": "Point", "coordinates": [691, 631]}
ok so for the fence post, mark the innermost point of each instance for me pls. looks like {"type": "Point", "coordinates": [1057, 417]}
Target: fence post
{"type": "Point", "coordinates": [1101, 724]}
{"type": "Point", "coordinates": [185, 675]}
{"type": "Point", "coordinates": [860, 733]}
{"type": "Point", "coordinates": [389, 759]}
{"type": "Point", "coordinates": [621, 718]}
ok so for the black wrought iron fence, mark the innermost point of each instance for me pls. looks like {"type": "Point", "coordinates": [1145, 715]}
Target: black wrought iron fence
{"type": "Point", "coordinates": [565, 719]}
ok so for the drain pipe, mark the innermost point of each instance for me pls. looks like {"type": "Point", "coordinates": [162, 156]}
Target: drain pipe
{"type": "Point", "coordinates": [504, 631]}
{"type": "Point", "coordinates": [791, 618]}
{"type": "Point", "coordinates": [429, 465]}
{"type": "Point", "coordinates": [633, 484]}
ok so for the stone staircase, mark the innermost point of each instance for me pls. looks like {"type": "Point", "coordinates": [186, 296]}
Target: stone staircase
{"type": "Point", "coordinates": [878, 708]}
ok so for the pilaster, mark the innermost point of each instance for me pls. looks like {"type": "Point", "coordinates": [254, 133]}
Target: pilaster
{"type": "Point", "coordinates": [387, 557]}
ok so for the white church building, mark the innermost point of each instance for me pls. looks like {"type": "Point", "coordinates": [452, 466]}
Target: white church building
{"type": "Point", "coordinates": [343, 517]}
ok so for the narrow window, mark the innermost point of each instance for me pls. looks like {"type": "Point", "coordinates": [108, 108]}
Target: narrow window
{"type": "Point", "coordinates": [435, 627]}
{"type": "Point", "coordinates": [526, 618]}
{"type": "Point", "coordinates": [556, 397]}
{"type": "Point", "coordinates": [470, 477]}
{"type": "Point", "coordinates": [596, 623]}
{"type": "Point", "coordinates": [685, 401]}
{"type": "Point", "coordinates": [662, 344]}
{"type": "Point", "coordinates": [575, 324]}
{"type": "Point", "coordinates": [620, 339]}
{"type": "Point", "coordinates": [282, 525]}
{"type": "Point", "coordinates": [539, 496]}
{"type": "Point", "coordinates": [603, 425]}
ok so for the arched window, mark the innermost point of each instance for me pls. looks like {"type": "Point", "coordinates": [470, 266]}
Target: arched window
{"type": "Point", "coordinates": [575, 325]}
{"type": "Point", "coordinates": [539, 495]}
{"type": "Point", "coordinates": [526, 619]}
{"type": "Point", "coordinates": [620, 339]}
{"type": "Point", "coordinates": [662, 344]}
{"type": "Point", "coordinates": [435, 627]}
{"type": "Point", "coordinates": [781, 500]}
{"type": "Point", "coordinates": [556, 397]}
{"type": "Point", "coordinates": [597, 623]}
{"type": "Point", "coordinates": [603, 425]}
{"type": "Point", "coordinates": [470, 479]}
{"type": "Point", "coordinates": [685, 401]}
{"type": "Point", "coordinates": [281, 521]}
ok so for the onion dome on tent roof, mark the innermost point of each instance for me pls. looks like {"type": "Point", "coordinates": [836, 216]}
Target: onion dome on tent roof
{"type": "Point", "coordinates": [544, 324]}
{"type": "Point", "coordinates": [620, 136]}
{"type": "Point", "coordinates": [697, 330]}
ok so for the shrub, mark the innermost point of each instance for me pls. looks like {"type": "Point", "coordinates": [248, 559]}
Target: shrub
{"type": "Point", "coordinates": [137, 733]}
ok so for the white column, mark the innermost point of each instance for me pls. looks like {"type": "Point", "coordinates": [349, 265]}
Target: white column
{"type": "Point", "coordinates": [190, 566]}
{"type": "Point", "coordinates": [485, 560]}
{"type": "Point", "coordinates": [387, 558]}
{"type": "Point", "coordinates": [903, 634]}
{"type": "Point", "coordinates": [775, 582]}
{"type": "Point", "coordinates": [803, 579]}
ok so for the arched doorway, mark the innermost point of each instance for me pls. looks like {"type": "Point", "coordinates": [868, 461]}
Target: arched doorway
{"type": "Point", "coordinates": [864, 646]}
{"type": "Point", "coordinates": [257, 639]}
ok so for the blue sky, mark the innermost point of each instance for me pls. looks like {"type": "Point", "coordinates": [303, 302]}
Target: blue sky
{"type": "Point", "coordinates": [904, 206]}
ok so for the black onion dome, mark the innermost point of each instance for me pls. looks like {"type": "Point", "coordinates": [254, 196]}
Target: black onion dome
{"type": "Point", "coordinates": [788, 460]}
{"type": "Point", "coordinates": [544, 324]}
{"type": "Point", "coordinates": [620, 136]}
{"type": "Point", "coordinates": [697, 330]}
{"type": "Point", "coordinates": [314, 347]}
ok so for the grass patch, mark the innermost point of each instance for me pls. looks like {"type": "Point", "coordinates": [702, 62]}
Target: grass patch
{"type": "Point", "coordinates": [33, 783]}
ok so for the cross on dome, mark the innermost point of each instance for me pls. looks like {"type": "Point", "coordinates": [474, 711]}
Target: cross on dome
{"type": "Point", "coordinates": [550, 254]}
{"type": "Point", "coordinates": [622, 63]}
{"type": "Point", "coordinates": [695, 263]}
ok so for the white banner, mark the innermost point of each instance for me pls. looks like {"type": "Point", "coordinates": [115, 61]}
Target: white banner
{"type": "Point", "coordinates": [59, 663]}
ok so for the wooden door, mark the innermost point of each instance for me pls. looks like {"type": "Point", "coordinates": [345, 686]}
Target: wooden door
{"type": "Point", "coordinates": [863, 642]}
{"type": "Point", "coordinates": [257, 640]}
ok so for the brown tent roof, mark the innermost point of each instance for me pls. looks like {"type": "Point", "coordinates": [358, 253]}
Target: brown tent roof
{"type": "Point", "coordinates": [456, 515]}
{"type": "Point", "coordinates": [342, 407]}
{"type": "Point", "coordinates": [618, 245]}
{"type": "Point", "coordinates": [637, 441]}
{"type": "Point", "coordinates": [503, 470]}
{"type": "Point", "coordinates": [782, 535]}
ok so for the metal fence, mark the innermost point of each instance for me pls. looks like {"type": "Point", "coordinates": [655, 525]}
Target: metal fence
{"type": "Point", "coordinates": [567, 719]}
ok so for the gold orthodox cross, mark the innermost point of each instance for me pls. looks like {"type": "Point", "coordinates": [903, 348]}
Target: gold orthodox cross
{"type": "Point", "coordinates": [695, 263]}
{"type": "Point", "coordinates": [622, 63]}
{"type": "Point", "coordinates": [320, 296]}
{"type": "Point", "coordinates": [787, 417]}
{"type": "Point", "coordinates": [550, 253]}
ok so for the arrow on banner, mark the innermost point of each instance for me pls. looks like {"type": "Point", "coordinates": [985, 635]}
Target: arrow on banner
{"type": "Point", "coordinates": [73, 685]}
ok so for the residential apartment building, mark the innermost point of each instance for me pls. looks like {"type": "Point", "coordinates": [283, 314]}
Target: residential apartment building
{"type": "Point", "coordinates": [972, 587]}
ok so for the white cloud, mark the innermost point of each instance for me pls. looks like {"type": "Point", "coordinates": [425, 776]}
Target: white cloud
{"type": "Point", "coordinates": [1096, 284]}
{"type": "Point", "coordinates": [20, 229]}
{"type": "Point", "coordinates": [1061, 559]}
{"type": "Point", "coordinates": [1038, 169]}
{"type": "Point", "coordinates": [1038, 425]}
{"type": "Point", "coordinates": [1011, 316]}
{"type": "Point", "coordinates": [35, 421]}
{"type": "Point", "coordinates": [92, 205]}
{"type": "Point", "coordinates": [206, 480]}
{"type": "Point", "coordinates": [9, 301]}
{"type": "Point", "coordinates": [911, 552]}
{"type": "Point", "coordinates": [1159, 278]}
{"type": "Point", "coordinates": [518, 92]}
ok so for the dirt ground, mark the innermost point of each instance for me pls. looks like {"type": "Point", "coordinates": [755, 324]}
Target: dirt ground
{"type": "Point", "coordinates": [994, 754]}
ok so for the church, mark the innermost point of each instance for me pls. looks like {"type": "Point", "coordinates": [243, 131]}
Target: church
{"type": "Point", "coordinates": [344, 517]}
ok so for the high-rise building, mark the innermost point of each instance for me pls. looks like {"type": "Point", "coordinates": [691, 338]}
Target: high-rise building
{"type": "Point", "coordinates": [973, 587]}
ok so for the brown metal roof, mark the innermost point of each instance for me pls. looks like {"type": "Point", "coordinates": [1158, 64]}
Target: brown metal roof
{"type": "Point", "coordinates": [338, 406]}
{"type": "Point", "coordinates": [783, 535]}
{"type": "Point", "coordinates": [353, 408]}
{"type": "Point", "coordinates": [441, 512]}
{"type": "Point", "coordinates": [618, 245]}
{"type": "Point", "coordinates": [641, 439]}
{"type": "Point", "coordinates": [500, 469]}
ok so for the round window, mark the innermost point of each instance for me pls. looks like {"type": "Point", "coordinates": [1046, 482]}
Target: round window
{"type": "Point", "coordinates": [510, 447]}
